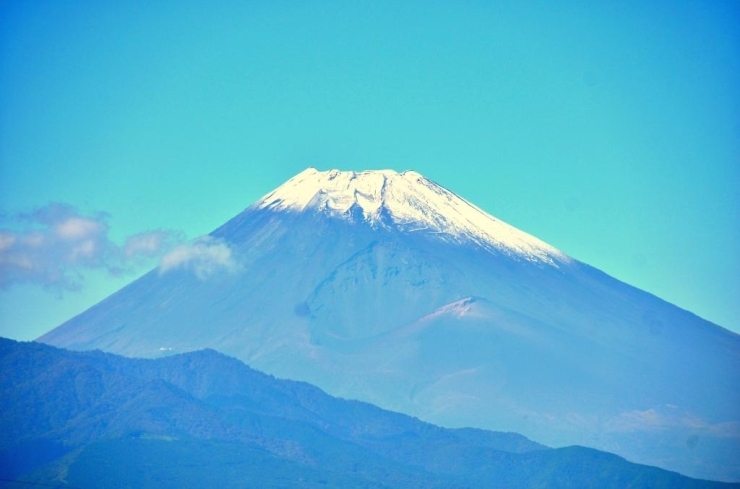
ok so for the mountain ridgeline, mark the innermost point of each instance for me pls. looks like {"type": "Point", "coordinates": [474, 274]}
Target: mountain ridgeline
{"type": "Point", "coordinates": [387, 288]}
{"type": "Point", "coordinates": [201, 419]}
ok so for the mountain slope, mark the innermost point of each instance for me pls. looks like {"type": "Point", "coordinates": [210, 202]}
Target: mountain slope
{"type": "Point", "coordinates": [88, 419]}
{"type": "Point", "coordinates": [354, 282]}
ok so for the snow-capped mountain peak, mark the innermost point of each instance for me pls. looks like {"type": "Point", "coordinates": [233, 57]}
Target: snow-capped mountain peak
{"type": "Point", "coordinates": [410, 202]}
{"type": "Point", "coordinates": [385, 287]}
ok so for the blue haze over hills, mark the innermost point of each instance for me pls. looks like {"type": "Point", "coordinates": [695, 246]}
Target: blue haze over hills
{"type": "Point", "coordinates": [385, 287]}
{"type": "Point", "coordinates": [200, 419]}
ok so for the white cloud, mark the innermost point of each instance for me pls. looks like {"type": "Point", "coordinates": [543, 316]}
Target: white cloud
{"type": "Point", "coordinates": [54, 245]}
{"type": "Point", "coordinates": [655, 419]}
{"type": "Point", "coordinates": [76, 228]}
{"type": "Point", "coordinates": [7, 240]}
{"type": "Point", "coordinates": [204, 257]}
{"type": "Point", "coordinates": [150, 243]}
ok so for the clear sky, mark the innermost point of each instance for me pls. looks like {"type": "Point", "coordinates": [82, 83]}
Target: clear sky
{"type": "Point", "coordinates": [609, 129]}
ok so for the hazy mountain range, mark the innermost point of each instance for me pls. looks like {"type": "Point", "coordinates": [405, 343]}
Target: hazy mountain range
{"type": "Point", "coordinates": [201, 419]}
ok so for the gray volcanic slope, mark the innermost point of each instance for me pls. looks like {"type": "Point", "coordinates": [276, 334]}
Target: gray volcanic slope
{"type": "Point", "coordinates": [385, 287]}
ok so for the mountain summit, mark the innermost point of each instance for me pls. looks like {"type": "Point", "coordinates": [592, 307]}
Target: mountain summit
{"type": "Point", "coordinates": [385, 287]}
{"type": "Point", "coordinates": [407, 202]}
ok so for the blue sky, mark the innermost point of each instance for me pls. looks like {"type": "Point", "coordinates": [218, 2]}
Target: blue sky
{"type": "Point", "coordinates": [611, 130]}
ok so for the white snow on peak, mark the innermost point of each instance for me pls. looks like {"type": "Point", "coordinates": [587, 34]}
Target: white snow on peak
{"type": "Point", "coordinates": [412, 202]}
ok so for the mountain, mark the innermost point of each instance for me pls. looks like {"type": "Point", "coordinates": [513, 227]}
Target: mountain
{"type": "Point", "coordinates": [201, 419]}
{"type": "Point", "coordinates": [387, 288]}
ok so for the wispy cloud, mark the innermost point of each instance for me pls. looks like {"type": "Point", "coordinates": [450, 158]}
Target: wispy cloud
{"type": "Point", "coordinates": [55, 245]}
{"type": "Point", "coordinates": [150, 244]}
{"type": "Point", "coordinates": [665, 417]}
{"type": "Point", "coordinates": [205, 256]}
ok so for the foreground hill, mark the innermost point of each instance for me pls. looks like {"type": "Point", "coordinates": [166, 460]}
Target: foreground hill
{"type": "Point", "coordinates": [201, 419]}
